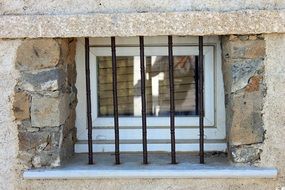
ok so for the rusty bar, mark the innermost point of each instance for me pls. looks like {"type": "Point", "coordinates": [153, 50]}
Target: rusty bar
{"type": "Point", "coordinates": [115, 101]}
{"type": "Point", "coordinates": [196, 85]}
{"type": "Point", "coordinates": [201, 100]}
{"type": "Point", "coordinates": [88, 100]}
{"type": "Point", "coordinates": [172, 98]}
{"type": "Point", "coordinates": [144, 131]}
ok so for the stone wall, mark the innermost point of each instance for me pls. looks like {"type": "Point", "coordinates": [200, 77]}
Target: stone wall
{"type": "Point", "coordinates": [243, 68]}
{"type": "Point", "coordinates": [45, 100]}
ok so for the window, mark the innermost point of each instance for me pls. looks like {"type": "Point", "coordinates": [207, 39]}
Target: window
{"type": "Point", "coordinates": [185, 50]}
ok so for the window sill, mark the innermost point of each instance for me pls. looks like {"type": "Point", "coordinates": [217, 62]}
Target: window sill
{"type": "Point", "coordinates": [214, 168]}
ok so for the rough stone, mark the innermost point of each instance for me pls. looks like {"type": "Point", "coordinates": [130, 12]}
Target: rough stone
{"type": "Point", "coordinates": [25, 158]}
{"type": "Point", "coordinates": [247, 123]}
{"type": "Point", "coordinates": [254, 83]}
{"type": "Point", "coordinates": [233, 37]}
{"type": "Point", "coordinates": [41, 148]}
{"type": "Point", "coordinates": [71, 70]}
{"type": "Point", "coordinates": [138, 24]}
{"type": "Point", "coordinates": [246, 49]}
{"type": "Point", "coordinates": [46, 159]}
{"type": "Point", "coordinates": [243, 70]}
{"type": "Point", "coordinates": [38, 54]}
{"type": "Point", "coordinates": [252, 37]}
{"type": "Point", "coordinates": [48, 111]}
{"type": "Point", "coordinates": [21, 106]}
{"type": "Point", "coordinates": [71, 52]}
{"type": "Point", "coordinates": [245, 90]}
{"type": "Point", "coordinates": [43, 140]}
{"type": "Point", "coordinates": [67, 147]}
{"type": "Point", "coordinates": [245, 154]}
{"type": "Point", "coordinates": [48, 80]}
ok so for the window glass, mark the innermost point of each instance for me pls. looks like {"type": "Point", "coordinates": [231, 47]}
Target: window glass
{"type": "Point", "coordinates": [157, 86]}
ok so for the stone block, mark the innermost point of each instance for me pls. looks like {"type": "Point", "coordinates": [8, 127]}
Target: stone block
{"type": "Point", "coordinates": [71, 51]}
{"type": "Point", "coordinates": [48, 80]}
{"type": "Point", "coordinates": [70, 122]}
{"type": "Point", "coordinates": [245, 154]}
{"type": "Point", "coordinates": [47, 139]}
{"type": "Point", "coordinates": [21, 106]}
{"type": "Point", "coordinates": [38, 54]}
{"type": "Point", "coordinates": [46, 159]}
{"type": "Point", "coordinates": [245, 49]}
{"type": "Point", "coordinates": [243, 70]}
{"type": "Point", "coordinates": [71, 72]}
{"type": "Point", "coordinates": [254, 83]}
{"type": "Point", "coordinates": [247, 123]}
{"type": "Point", "coordinates": [49, 111]}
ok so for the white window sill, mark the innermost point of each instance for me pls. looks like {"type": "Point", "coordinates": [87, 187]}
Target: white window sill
{"type": "Point", "coordinates": [214, 168]}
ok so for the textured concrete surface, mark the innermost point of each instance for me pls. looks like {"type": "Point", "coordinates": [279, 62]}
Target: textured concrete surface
{"type": "Point", "coordinates": [274, 109]}
{"type": "Point", "coordinates": [8, 128]}
{"type": "Point", "coordinates": [147, 24]}
{"type": "Point", "coordinates": [13, 7]}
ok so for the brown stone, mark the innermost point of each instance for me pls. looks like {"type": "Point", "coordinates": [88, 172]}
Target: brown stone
{"type": "Point", "coordinates": [233, 37]}
{"type": "Point", "coordinates": [64, 49]}
{"type": "Point", "coordinates": [247, 49]}
{"type": "Point", "coordinates": [71, 73]}
{"type": "Point", "coordinates": [253, 84]}
{"type": "Point", "coordinates": [247, 123]}
{"type": "Point", "coordinates": [252, 37]}
{"type": "Point", "coordinates": [71, 51]}
{"type": "Point", "coordinates": [21, 106]}
{"type": "Point", "coordinates": [38, 54]}
{"type": "Point", "coordinates": [70, 122]}
{"type": "Point", "coordinates": [44, 140]}
{"type": "Point", "coordinates": [49, 111]}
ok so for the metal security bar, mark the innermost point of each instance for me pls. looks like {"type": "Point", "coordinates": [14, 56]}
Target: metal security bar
{"type": "Point", "coordinates": [115, 101]}
{"type": "Point", "coordinates": [201, 99]}
{"type": "Point", "coordinates": [172, 103]}
{"type": "Point", "coordinates": [199, 88]}
{"type": "Point", "coordinates": [88, 99]}
{"type": "Point", "coordinates": [144, 131]}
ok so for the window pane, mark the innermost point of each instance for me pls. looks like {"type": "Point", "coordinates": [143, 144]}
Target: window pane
{"type": "Point", "coordinates": [157, 85]}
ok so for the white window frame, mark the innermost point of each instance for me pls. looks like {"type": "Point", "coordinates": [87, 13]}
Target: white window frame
{"type": "Point", "coordinates": [186, 127]}
{"type": "Point", "coordinates": [155, 121]}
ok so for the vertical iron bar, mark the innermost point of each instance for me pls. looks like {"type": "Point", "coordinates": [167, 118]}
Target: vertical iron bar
{"type": "Point", "coordinates": [88, 99]}
{"type": "Point", "coordinates": [115, 100]}
{"type": "Point", "coordinates": [144, 132]}
{"type": "Point", "coordinates": [201, 100]}
{"type": "Point", "coordinates": [196, 85]}
{"type": "Point", "coordinates": [172, 103]}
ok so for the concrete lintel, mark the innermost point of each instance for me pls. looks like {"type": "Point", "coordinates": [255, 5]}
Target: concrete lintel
{"type": "Point", "coordinates": [147, 24]}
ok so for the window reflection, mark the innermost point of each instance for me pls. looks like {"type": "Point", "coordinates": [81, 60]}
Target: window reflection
{"type": "Point", "coordinates": [157, 85]}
